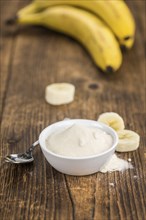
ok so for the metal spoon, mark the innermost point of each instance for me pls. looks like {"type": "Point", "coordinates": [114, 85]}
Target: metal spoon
{"type": "Point", "coordinates": [24, 157]}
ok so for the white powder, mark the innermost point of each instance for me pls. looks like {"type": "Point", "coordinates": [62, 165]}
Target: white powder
{"type": "Point", "coordinates": [115, 164]}
{"type": "Point", "coordinates": [135, 177]}
{"type": "Point", "coordinates": [79, 140]}
{"type": "Point", "coordinates": [112, 184]}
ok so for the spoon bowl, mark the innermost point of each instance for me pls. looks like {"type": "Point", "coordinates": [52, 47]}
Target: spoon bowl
{"type": "Point", "coordinates": [24, 157]}
{"type": "Point", "coordinates": [19, 158]}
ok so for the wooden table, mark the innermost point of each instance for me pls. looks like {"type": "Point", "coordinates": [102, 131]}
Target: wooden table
{"type": "Point", "coordinates": [32, 58]}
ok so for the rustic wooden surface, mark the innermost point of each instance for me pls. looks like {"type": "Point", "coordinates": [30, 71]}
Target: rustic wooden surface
{"type": "Point", "coordinates": [32, 58]}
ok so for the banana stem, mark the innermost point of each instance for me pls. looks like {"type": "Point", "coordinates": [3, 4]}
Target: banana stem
{"type": "Point", "coordinates": [34, 19]}
{"type": "Point", "coordinates": [29, 9]}
{"type": "Point", "coordinates": [25, 19]}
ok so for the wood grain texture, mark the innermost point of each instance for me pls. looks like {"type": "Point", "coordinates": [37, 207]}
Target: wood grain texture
{"type": "Point", "coordinates": [32, 58]}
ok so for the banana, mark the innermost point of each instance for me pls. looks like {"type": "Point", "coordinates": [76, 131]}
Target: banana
{"type": "Point", "coordinates": [113, 120]}
{"type": "Point", "coordinates": [115, 14]}
{"type": "Point", "coordinates": [59, 93]}
{"type": "Point", "coordinates": [128, 141]}
{"type": "Point", "coordinates": [29, 9]}
{"type": "Point", "coordinates": [84, 27]}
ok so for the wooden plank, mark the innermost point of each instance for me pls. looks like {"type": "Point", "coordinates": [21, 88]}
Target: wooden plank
{"type": "Point", "coordinates": [37, 191]}
{"type": "Point", "coordinates": [8, 39]}
{"type": "Point", "coordinates": [7, 47]}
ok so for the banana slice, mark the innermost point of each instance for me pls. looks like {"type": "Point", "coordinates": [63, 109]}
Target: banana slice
{"type": "Point", "coordinates": [59, 93]}
{"type": "Point", "coordinates": [113, 120]}
{"type": "Point", "coordinates": [128, 141]}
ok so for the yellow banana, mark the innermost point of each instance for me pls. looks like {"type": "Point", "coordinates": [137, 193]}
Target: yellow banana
{"type": "Point", "coordinates": [115, 14]}
{"type": "Point", "coordinates": [29, 9]}
{"type": "Point", "coordinates": [84, 27]}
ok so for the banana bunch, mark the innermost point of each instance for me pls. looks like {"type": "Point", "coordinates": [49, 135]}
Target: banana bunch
{"type": "Point", "coordinates": [128, 140]}
{"type": "Point", "coordinates": [100, 26]}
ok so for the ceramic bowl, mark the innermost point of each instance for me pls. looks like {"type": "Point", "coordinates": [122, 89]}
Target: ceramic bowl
{"type": "Point", "coordinates": [77, 166]}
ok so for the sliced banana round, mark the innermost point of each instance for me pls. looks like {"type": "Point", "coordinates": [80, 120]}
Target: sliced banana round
{"type": "Point", "coordinates": [59, 93]}
{"type": "Point", "coordinates": [113, 120]}
{"type": "Point", "coordinates": [128, 141]}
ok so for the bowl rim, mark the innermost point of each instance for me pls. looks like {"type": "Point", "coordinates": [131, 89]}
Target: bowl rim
{"type": "Point", "coordinates": [99, 125]}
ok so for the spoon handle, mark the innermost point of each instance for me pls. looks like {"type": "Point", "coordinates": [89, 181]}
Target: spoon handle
{"type": "Point", "coordinates": [32, 147]}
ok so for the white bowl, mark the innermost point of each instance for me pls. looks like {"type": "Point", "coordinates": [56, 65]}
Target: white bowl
{"type": "Point", "coordinates": [77, 166]}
